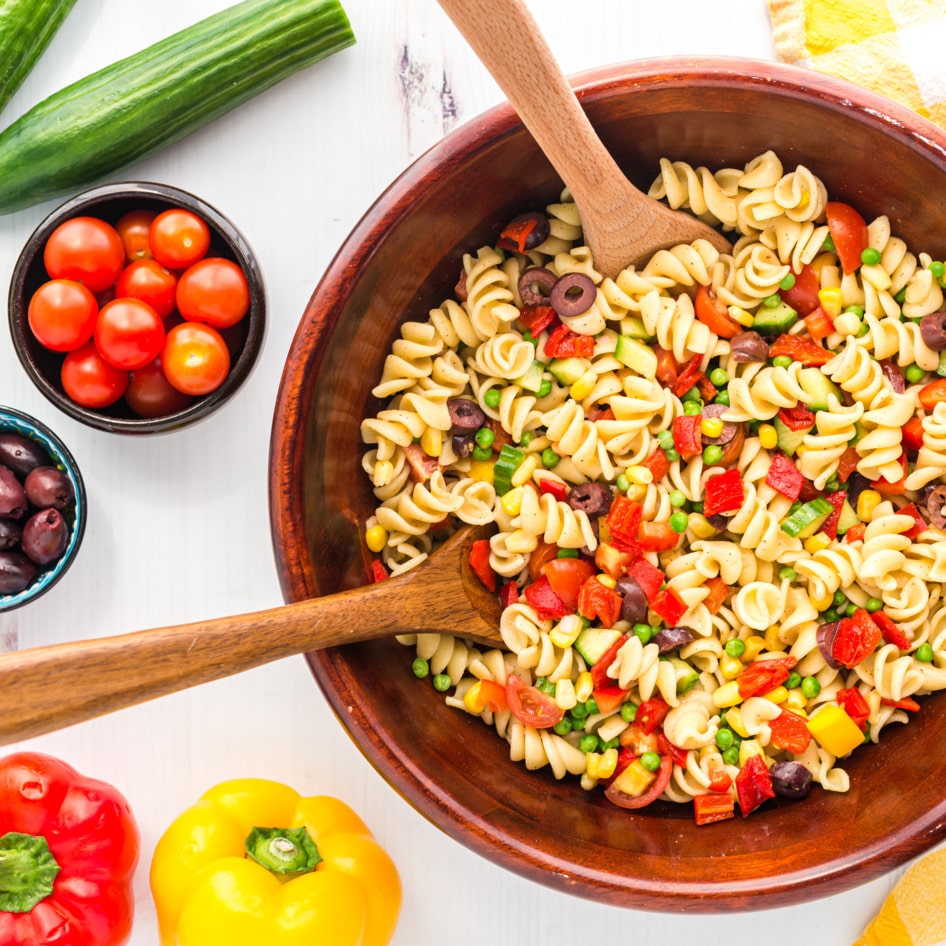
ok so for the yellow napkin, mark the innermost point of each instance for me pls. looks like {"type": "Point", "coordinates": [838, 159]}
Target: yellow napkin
{"type": "Point", "coordinates": [893, 47]}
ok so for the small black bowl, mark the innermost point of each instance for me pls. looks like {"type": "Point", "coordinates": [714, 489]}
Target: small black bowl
{"type": "Point", "coordinates": [13, 421]}
{"type": "Point", "coordinates": [109, 202]}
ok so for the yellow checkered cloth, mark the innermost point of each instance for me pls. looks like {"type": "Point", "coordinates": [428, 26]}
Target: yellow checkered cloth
{"type": "Point", "coordinates": [892, 47]}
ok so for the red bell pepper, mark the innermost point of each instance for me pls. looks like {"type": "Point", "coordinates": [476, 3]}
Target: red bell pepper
{"type": "Point", "coordinates": [554, 488]}
{"type": "Point", "coordinates": [764, 675]}
{"type": "Point", "coordinates": [599, 602]}
{"type": "Point", "coordinates": [857, 637]}
{"type": "Point", "coordinates": [648, 576]}
{"type": "Point", "coordinates": [707, 389]}
{"type": "Point", "coordinates": [890, 632]}
{"type": "Point", "coordinates": [666, 366]}
{"type": "Point", "coordinates": [515, 235]}
{"type": "Point", "coordinates": [622, 520]}
{"type": "Point", "coordinates": [720, 780]}
{"type": "Point", "coordinates": [913, 433]}
{"type": "Point", "coordinates": [790, 732]}
{"type": "Point", "coordinates": [847, 463]}
{"type": "Point", "coordinates": [853, 703]}
{"type": "Point", "coordinates": [931, 394]}
{"type": "Point", "coordinates": [803, 296]}
{"type": "Point", "coordinates": [599, 670]}
{"type": "Point", "coordinates": [546, 603]}
{"type": "Point", "coordinates": [666, 747]}
{"type": "Point", "coordinates": [714, 806]}
{"type": "Point", "coordinates": [689, 376]}
{"type": "Point", "coordinates": [608, 699]}
{"type": "Point", "coordinates": [657, 537]}
{"type": "Point", "coordinates": [668, 605]}
{"type": "Point", "coordinates": [921, 524]}
{"type": "Point", "coordinates": [651, 714]}
{"type": "Point", "coordinates": [830, 526]}
{"type": "Point", "coordinates": [378, 571]}
{"type": "Point", "coordinates": [538, 318]}
{"type": "Point", "coordinates": [856, 532]}
{"type": "Point", "coordinates": [724, 493]}
{"type": "Point", "coordinates": [796, 418]}
{"type": "Point", "coordinates": [566, 576]}
{"type": "Point", "coordinates": [564, 343]}
{"type": "Point", "coordinates": [718, 592]}
{"type": "Point", "coordinates": [753, 785]}
{"type": "Point", "coordinates": [714, 314]}
{"type": "Point", "coordinates": [479, 562]}
{"type": "Point", "coordinates": [658, 464]}
{"type": "Point", "coordinates": [509, 594]}
{"type": "Point", "coordinates": [785, 477]}
{"type": "Point", "coordinates": [819, 324]}
{"type": "Point", "coordinates": [898, 488]}
{"type": "Point", "coordinates": [687, 436]}
{"type": "Point", "coordinates": [907, 703]}
{"type": "Point", "coordinates": [68, 850]}
{"type": "Point", "coordinates": [804, 350]}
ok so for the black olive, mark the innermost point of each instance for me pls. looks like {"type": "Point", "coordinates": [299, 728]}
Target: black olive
{"type": "Point", "coordinates": [670, 638]}
{"type": "Point", "coordinates": [45, 536]}
{"type": "Point", "coordinates": [894, 376]}
{"type": "Point", "coordinates": [748, 347]}
{"type": "Point", "coordinates": [729, 428]}
{"type": "Point", "coordinates": [535, 286]}
{"type": "Point", "coordinates": [825, 637]}
{"type": "Point", "coordinates": [10, 532]}
{"type": "Point", "coordinates": [572, 294]}
{"type": "Point", "coordinates": [48, 486]}
{"type": "Point", "coordinates": [462, 445]}
{"type": "Point", "coordinates": [21, 454]}
{"type": "Point", "coordinates": [634, 602]}
{"type": "Point", "coordinates": [935, 500]}
{"type": "Point", "coordinates": [594, 499]}
{"type": "Point", "coordinates": [933, 330]}
{"type": "Point", "coordinates": [13, 501]}
{"type": "Point", "coordinates": [16, 573]}
{"type": "Point", "coordinates": [790, 779]}
{"type": "Point", "coordinates": [465, 415]}
{"type": "Point", "coordinates": [540, 230]}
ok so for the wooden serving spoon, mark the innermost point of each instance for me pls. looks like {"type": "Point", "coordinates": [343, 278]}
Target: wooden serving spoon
{"type": "Point", "coordinates": [622, 225]}
{"type": "Point", "coordinates": [48, 688]}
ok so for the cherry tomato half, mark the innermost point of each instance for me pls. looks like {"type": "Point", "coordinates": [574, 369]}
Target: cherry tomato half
{"type": "Point", "coordinates": [530, 705]}
{"type": "Point", "coordinates": [62, 314]}
{"type": "Point", "coordinates": [150, 394]}
{"type": "Point", "coordinates": [195, 357]}
{"type": "Point", "coordinates": [714, 314]}
{"type": "Point", "coordinates": [214, 291]}
{"type": "Point", "coordinates": [848, 231]}
{"type": "Point", "coordinates": [178, 238]}
{"type": "Point", "coordinates": [566, 576]}
{"type": "Point", "coordinates": [133, 228]}
{"type": "Point", "coordinates": [149, 281]}
{"type": "Point", "coordinates": [89, 380]}
{"type": "Point", "coordinates": [128, 333]}
{"type": "Point", "coordinates": [87, 250]}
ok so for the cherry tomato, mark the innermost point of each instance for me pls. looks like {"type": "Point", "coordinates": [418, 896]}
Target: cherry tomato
{"type": "Point", "coordinates": [214, 291]}
{"type": "Point", "coordinates": [530, 705]}
{"type": "Point", "coordinates": [62, 314]}
{"type": "Point", "coordinates": [87, 250]}
{"type": "Point", "coordinates": [803, 296]}
{"type": "Point", "coordinates": [616, 791]}
{"type": "Point", "coordinates": [714, 314]}
{"type": "Point", "coordinates": [128, 333]}
{"type": "Point", "coordinates": [848, 231]}
{"type": "Point", "coordinates": [150, 394]}
{"type": "Point", "coordinates": [178, 238]}
{"type": "Point", "coordinates": [931, 394]}
{"type": "Point", "coordinates": [566, 576]}
{"type": "Point", "coordinates": [195, 358]}
{"type": "Point", "coordinates": [149, 281]}
{"type": "Point", "coordinates": [133, 228]}
{"type": "Point", "coordinates": [89, 380]}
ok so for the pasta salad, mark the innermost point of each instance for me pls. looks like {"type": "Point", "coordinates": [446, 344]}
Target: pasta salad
{"type": "Point", "coordinates": [718, 486]}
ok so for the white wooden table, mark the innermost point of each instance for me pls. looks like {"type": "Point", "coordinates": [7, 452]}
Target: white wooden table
{"type": "Point", "coordinates": [178, 524]}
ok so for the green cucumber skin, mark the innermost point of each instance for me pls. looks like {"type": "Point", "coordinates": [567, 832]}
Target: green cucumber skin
{"type": "Point", "coordinates": [136, 107]}
{"type": "Point", "coordinates": [26, 29]}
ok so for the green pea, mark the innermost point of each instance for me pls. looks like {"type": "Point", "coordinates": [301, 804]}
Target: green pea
{"type": "Point", "coordinates": [901, 296]}
{"type": "Point", "coordinates": [770, 302]}
{"type": "Point", "coordinates": [692, 408]}
{"type": "Point", "coordinates": [914, 374]}
{"type": "Point", "coordinates": [677, 499]}
{"type": "Point", "coordinates": [788, 281]}
{"type": "Point", "coordinates": [692, 395]}
{"type": "Point", "coordinates": [679, 521]}
{"type": "Point", "coordinates": [782, 361]}
{"type": "Point", "coordinates": [829, 616]}
{"type": "Point", "coordinates": [643, 633]}
{"type": "Point", "coordinates": [622, 482]}
{"type": "Point", "coordinates": [527, 438]}
{"type": "Point", "coordinates": [724, 739]}
{"type": "Point", "coordinates": [719, 377]}
{"type": "Point", "coordinates": [545, 388]}
{"type": "Point", "coordinates": [563, 727]}
{"type": "Point", "coordinates": [735, 647]}
{"type": "Point", "coordinates": [712, 454]}
{"type": "Point", "coordinates": [485, 436]}
{"type": "Point", "coordinates": [549, 458]}
{"type": "Point", "coordinates": [832, 486]}
{"type": "Point", "coordinates": [628, 712]}
{"type": "Point", "coordinates": [592, 706]}
{"type": "Point", "coordinates": [420, 668]}
{"type": "Point", "coordinates": [482, 453]}
{"type": "Point", "coordinates": [492, 397]}
{"type": "Point", "coordinates": [873, 604]}
{"type": "Point", "coordinates": [610, 744]}
{"type": "Point", "coordinates": [567, 553]}
{"type": "Point", "coordinates": [810, 687]}
{"type": "Point", "coordinates": [672, 455]}
{"type": "Point", "coordinates": [527, 336]}
{"type": "Point", "coordinates": [828, 245]}
{"type": "Point", "coordinates": [650, 761]}
{"type": "Point", "coordinates": [787, 573]}
{"type": "Point", "coordinates": [696, 507]}
{"type": "Point", "coordinates": [442, 682]}
{"type": "Point", "coordinates": [858, 310]}
{"type": "Point", "coordinates": [851, 610]}
{"type": "Point", "coordinates": [870, 256]}
{"type": "Point", "coordinates": [793, 680]}
{"type": "Point", "coordinates": [665, 439]}
{"type": "Point", "coordinates": [839, 598]}
{"type": "Point", "coordinates": [924, 653]}
{"type": "Point", "coordinates": [731, 756]}
{"type": "Point", "coordinates": [588, 743]}
{"type": "Point", "coordinates": [579, 711]}
{"type": "Point", "coordinates": [937, 268]}
{"type": "Point", "coordinates": [722, 398]}
{"type": "Point", "coordinates": [862, 330]}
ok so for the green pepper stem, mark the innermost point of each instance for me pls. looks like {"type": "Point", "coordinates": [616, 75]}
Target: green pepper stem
{"type": "Point", "coordinates": [27, 871]}
{"type": "Point", "coordinates": [286, 852]}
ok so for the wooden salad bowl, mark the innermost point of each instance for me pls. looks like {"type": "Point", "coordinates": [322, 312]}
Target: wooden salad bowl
{"type": "Point", "coordinates": [401, 260]}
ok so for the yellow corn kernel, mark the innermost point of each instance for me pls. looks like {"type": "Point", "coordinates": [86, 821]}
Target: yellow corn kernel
{"type": "Point", "coordinates": [816, 543]}
{"type": "Point", "coordinates": [711, 426]}
{"type": "Point", "coordinates": [834, 730]}
{"type": "Point", "coordinates": [383, 473]}
{"type": "Point", "coordinates": [431, 442]}
{"type": "Point", "coordinates": [748, 748]}
{"type": "Point", "coordinates": [754, 646]}
{"type": "Point", "coordinates": [566, 633]}
{"type": "Point", "coordinates": [768, 436]}
{"type": "Point", "coordinates": [700, 527]}
{"type": "Point", "coordinates": [525, 470]}
{"type": "Point", "coordinates": [583, 687]}
{"type": "Point", "coordinates": [796, 701]}
{"type": "Point", "coordinates": [583, 386]}
{"type": "Point", "coordinates": [512, 501]}
{"type": "Point", "coordinates": [822, 604]}
{"type": "Point", "coordinates": [735, 721]}
{"type": "Point", "coordinates": [772, 639]}
{"type": "Point", "coordinates": [565, 697]}
{"type": "Point", "coordinates": [830, 299]}
{"type": "Point", "coordinates": [867, 502]}
{"type": "Point", "coordinates": [606, 580]}
{"type": "Point", "coordinates": [741, 315]}
{"type": "Point", "coordinates": [637, 492]}
{"type": "Point", "coordinates": [639, 474]}
{"type": "Point", "coordinates": [602, 764]}
{"type": "Point", "coordinates": [376, 538]}
{"type": "Point", "coordinates": [778, 695]}
{"type": "Point", "coordinates": [730, 667]}
{"type": "Point", "coordinates": [482, 470]}
{"type": "Point", "coordinates": [726, 695]}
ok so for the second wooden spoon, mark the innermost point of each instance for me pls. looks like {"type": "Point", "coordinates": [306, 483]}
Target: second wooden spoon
{"type": "Point", "coordinates": [622, 225]}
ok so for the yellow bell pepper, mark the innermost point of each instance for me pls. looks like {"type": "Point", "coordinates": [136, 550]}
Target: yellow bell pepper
{"type": "Point", "coordinates": [253, 862]}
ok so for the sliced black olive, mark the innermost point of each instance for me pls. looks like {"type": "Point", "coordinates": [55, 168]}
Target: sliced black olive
{"type": "Point", "coordinates": [729, 428]}
{"type": "Point", "coordinates": [856, 484]}
{"type": "Point", "coordinates": [670, 638]}
{"type": "Point", "coordinates": [634, 603]}
{"type": "Point", "coordinates": [790, 779]}
{"type": "Point", "coordinates": [933, 330]}
{"type": "Point", "coordinates": [594, 499]}
{"type": "Point", "coordinates": [572, 294]}
{"type": "Point", "coordinates": [538, 234]}
{"type": "Point", "coordinates": [825, 637]}
{"type": "Point", "coordinates": [465, 415]}
{"type": "Point", "coordinates": [894, 376]}
{"type": "Point", "coordinates": [718, 521]}
{"type": "Point", "coordinates": [462, 445]}
{"type": "Point", "coordinates": [748, 347]}
{"type": "Point", "coordinates": [535, 286]}
{"type": "Point", "coordinates": [935, 500]}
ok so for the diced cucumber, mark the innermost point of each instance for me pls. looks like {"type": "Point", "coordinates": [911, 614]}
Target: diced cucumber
{"type": "Point", "coordinates": [774, 321]}
{"type": "Point", "coordinates": [808, 519]}
{"type": "Point", "coordinates": [532, 379]}
{"type": "Point", "coordinates": [505, 467]}
{"type": "Point", "coordinates": [818, 386]}
{"type": "Point", "coordinates": [568, 370]}
{"type": "Point", "coordinates": [788, 440]}
{"type": "Point", "coordinates": [637, 356]}
{"type": "Point", "coordinates": [687, 677]}
{"type": "Point", "coordinates": [593, 642]}
{"type": "Point", "coordinates": [847, 518]}
{"type": "Point", "coordinates": [633, 326]}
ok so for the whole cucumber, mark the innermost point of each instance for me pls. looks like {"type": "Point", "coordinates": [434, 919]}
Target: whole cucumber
{"type": "Point", "coordinates": [26, 28]}
{"type": "Point", "coordinates": [139, 105]}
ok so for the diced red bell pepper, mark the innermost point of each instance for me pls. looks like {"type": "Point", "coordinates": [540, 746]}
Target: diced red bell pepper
{"type": "Point", "coordinates": [657, 537]}
{"type": "Point", "coordinates": [667, 370]}
{"type": "Point", "coordinates": [479, 562]}
{"type": "Point", "coordinates": [931, 394]}
{"type": "Point", "coordinates": [623, 519]}
{"type": "Point", "coordinates": [658, 464]}
{"type": "Point", "coordinates": [764, 675]}
{"type": "Point", "coordinates": [856, 638]}
{"type": "Point", "coordinates": [886, 488]}
{"type": "Point", "coordinates": [790, 732]}
{"type": "Point", "coordinates": [687, 436]}
{"type": "Point", "coordinates": [796, 418]}
{"type": "Point", "coordinates": [378, 571]}
{"type": "Point", "coordinates": [830, 526]}
{"type": "Point", "coordinates": [608, 699]}
{"type": "Point", "coordinates": [801, 349]}
{"type": "Point", "coordinates": [907, 703]}
{"type": "Point", "coordinates": [714, 314]}
{"type": "Point", "coordinates": [651, 714]}
{"type": "Point", "coordinates": [546, 603]}
{"type": "Point", "coordinates": [564, 343]}
{"type": "Point", "coordinates": [689, 376]}
{"type": "Point", "coordinates": [803, 296]}
{"type": "Point", "coordinates": [668, 605]}
{"type": "Point", "coordinates": [598, 602]}
{"type": "Point", "coordinates": [847, 463]}
{"type": "Point", "coordinates": [720, 780]}
{"type": "Point", "coordinates": [718, 592]}
{"type": "Point", "coordinates": [647, 575]}
{"type": "Point", "coordinates": [785, 477]}
{"type": "Point", "coordinates": [753, 785]}
{"type": "Point", "coordinates": [921, 524]}
{"type": "Point", "coordinates": [856, 532]}
{"type": "Point", "coordinates": [848, 231]}
{"type": "Point", "coordinates": [913, 433]}
{"type": "Point", "coordinates": [666, 747]}
{"type": "Point", "coordinates": [853, 703]}
{"type": "Point", "coordinates": [724, 492]}
{"type": "Point", "coordinates": [599, 670]}
{"type": "Point", "coordinates": [714, 806]}
{"type": "Point", "coordinates": [819, 324]}
{"type": "Point", "coordinates": [554, 488]}
{"type": "Point", "coordinates": [538, 318]}
{"type": "Point", "coordinates": [509, 594]}
{"type": "Point", "coordinates": [890, 632]}
{"type": "Point", "coordinates": [707, 388]}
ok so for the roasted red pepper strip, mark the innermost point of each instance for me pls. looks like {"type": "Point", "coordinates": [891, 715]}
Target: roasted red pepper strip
{"type": "Point", "coordinates": [830, 525]}
{"type": "Point", "coordinates": [689, 376]}
{"type": "Point", "coordinates": [668, 605]}
{"type": "Point", "coordinates": [764, 675]}
{"type": "Point", "coordinates": [564, 343]}
{"type": "Point", "coordinates": [479, 562]}
{"type": "Point", "coordinates": [913, 433]}
{"type": "Point", "coordinates": [847, 463]}
{"type": "Point", "coordinates": [857, 637]}
{"type": "Point", "coordinates": [921, 524]}
{"type": "Point", "coordinates": [801, 349]}
{"type": "Point", "coordinates": [378, 571]}
{"type": "Point", "coordinates": [718, 591]}
{"type": "Point", "coordinates": [890, 632]}
{"type": "Point", "coordinates": [714, 806]}
{"type": "Point", "coordinates": [658, 464]}
{"type": "Point", "coordinates": [907, 703]}
{"type": "Point", "coordinates": [724, 492]}
{"type": "Point", "coordinates": [796, 418]}
{"type": "Point", "coordinates": [819, 324]}
{"type": "Point", "coordinates": [546, 603]}
{"type": "Point", "coordinates": [657, 537]}
{"type": "Point", "coordinates": [599, 670]}
{"type": "Point", "coordinates": [515, 234]}
{"type": "Point", "coordinates": [554, 488]}
{"type": "Point", "coordinates": [538, 318]}
{"type": "Point", "coordinates": [785, 477]}
{"type": "Point", "coordinates": [598, 602]}
{"type": "Point", "coordinates": [707, 388]}
{"type": "Point", "coordinates": [856, 532]}
{"type": "Point", "coordinates": [666, 747]}
{"type": "Point", "coordinates": [609, 698]}
{"type": "Point", "coordinates": [623, 519]}
{"type": "Point", "coordinates": [648, 576]}
{"type": "Point", "coordinates": [753, 785]}
{"type": "Point", "coordinates": [687, 437]}
{"type": "Point", "coordinates": [853, 703]}
{"type": "Point", "coordinates": [509, 594]}
{"type": "Point", "coordinates": [790, 732]}
{"type": "Point", "coordinates": [651, 714]}
{"type": "Point", "coordinates": [666, 366]}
